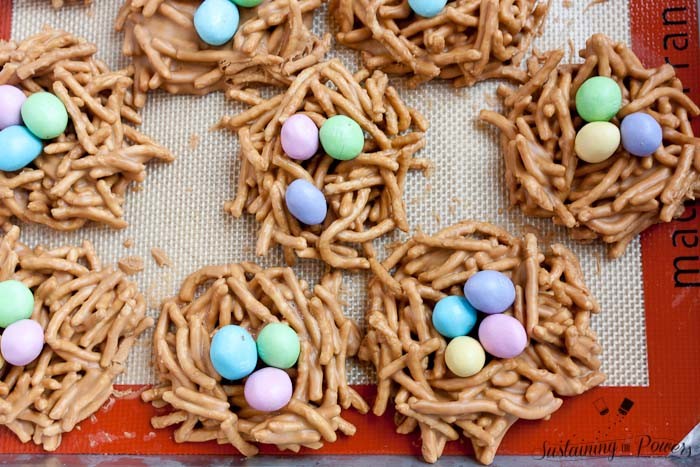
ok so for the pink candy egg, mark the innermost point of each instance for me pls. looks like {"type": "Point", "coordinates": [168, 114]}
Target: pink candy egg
{"type": "Point", "coordinates": [268, 389]}
{"type": "Point", "coordinates": [11, 100]}
{"type": "Point", "coordinates": [22, 342]}
{"type": "Point", "coordinates": [299, 137]}
{"type": "Point", "coordinates": [502, 336]}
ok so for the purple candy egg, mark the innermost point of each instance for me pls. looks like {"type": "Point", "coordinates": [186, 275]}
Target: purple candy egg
{"type": "Point", "coordinates": [299, 137]}
{"type": "Point", "coordinates": [490, 291]}
{"type": "Point", "coordinates": [11, 100]}
{"type": "Point", "coordinates": [268, 389]}
{"type": "Point", "coordinates": [22, 342]}
{"type": "Point", "coordinates": [306, 202]}
{"type": "Point", "coordinates": [641, 134]}
{"type": "Point", "coordinates": [502, 336]}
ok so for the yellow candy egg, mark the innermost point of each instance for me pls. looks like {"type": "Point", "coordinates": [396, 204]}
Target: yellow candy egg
{"type": "Point", "coordinates": [597, 141]}
{"type": "Point", "coordinates": [464, 356]}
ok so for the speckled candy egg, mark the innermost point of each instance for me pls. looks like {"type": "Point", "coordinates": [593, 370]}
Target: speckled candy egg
{"type": "Point", "coordinates": [19, 148]}
{"type": "Point", "coordinates": [278, 345]}
{"type": "Point", "coordinates": [11, 100]}
{"type": "Point", "coordinates": [16, 302]}
{"type": "Point", "coordinates": [464, 356]}
{"type": "Point", "coordinates": [299, 137]}
{"type": "Point", "coordinates": [597, 141]}
{"type": "Point", "coordinates": [427, 8]}
{"type": "Point", "coordinates": [233, 352]}
{"type": "Point", "coordinates": [598, 99]}
{"type": "Point", "coordinates": [502, 336]}
{"type": "Point", "coordinates": [22, 342]}
{"type": "Point", "coordinates": [268, 389]}
{"type": "Point", "coordinates": [306, 202]}
{"type": "Point", "coordinates": [216, 21]}
{"type": "Point", "coordinates": [454, 316]}
{"type": "Point", "coordinates": [490, 291]}
{"type": "Point", "coordinates": [641, 134]}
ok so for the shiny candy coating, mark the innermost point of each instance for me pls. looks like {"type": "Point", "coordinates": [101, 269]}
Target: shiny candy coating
{"type": "Point", "coordinates": [11, 100]}
{"type": "Point", "coordinates": [247, 3]}
{"type": "Point", "coordinates": [641, 134]}
{"type": "Point", "coordinates": [464, 356]}
{"type": "Point", "coordinates": [278, 345]}
{"type": "Point", "coordinates": [427, 8]}
{"type": "Point", "coordinates": [18, 148]}
{"type": "Point", "coordinates": [306, 202]}
{"type": "Point", "coordinates": [597, 141]}
{"type": "Point", "coordinates": [216, 21]}
{"type": "Point", "coordinates": [502, 336]}
{"type": "Point", "coordinates": [598, 99]}
{"type": "Point", "coordinates": [268, 389]}
{"type": "Point", "coordinates": [454, 316]}
{"type": "Point", "coordinates": [342, 138]}
{"type": "Point", "coordinates": [490, 291]}
{"type": "Point", "coordinates": [44, 115]}
{"type": "Point", "coordinates": [299, 137]}
{"type": "Point", "coordinates": [233, 352]}
{"type": "Point", "coordinates": [16, 302]}
{"type": "Point", "coordinates": [22, 342]}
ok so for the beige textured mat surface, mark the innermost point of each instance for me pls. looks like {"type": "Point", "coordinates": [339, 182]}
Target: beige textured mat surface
{"type": "Point", "coordinates": [180, 208]}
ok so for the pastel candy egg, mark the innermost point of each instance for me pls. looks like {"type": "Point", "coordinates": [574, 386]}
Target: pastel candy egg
{"type": "Point", "coordinates": [233, 352]}
{"type": "Point", "coordinates": [464, 356]}
{"type": "Point", "coordinates": [299, 137]}
{"type": "Point", "coordinates": [597, 141]}
{"type": "Point", "coordinates": [641, 134]}
{"type": "Point", "coordinates": [427, 8]}
{"type": "Point", "coordinates": [22, 342]}
{"type": "Point", "coordinates": [18, 148]}
{"type": "Point", "coordinates": [306, 202]}
{"type": "Point", "coordinates": [11, 100]}
{"type": "Point", "coordinates": [490, 291]}
{"type": "Point", "coordinates": [342, 138]}
{"type": "Point", "coordinates": [502, 336]}
{"type": "Point", "coordinates": [454, 316]}
{"type": "Point", "coordinates": [598, 99]}
{"type": "Point", "coordinates": [278, 345]}
{"type": "Point", "coordinates": [268, 389]}
{"type": "Point", "coordinates": [16, 302]}
{"type": "Point", "coordinates": [45, 115]}
{"type": "Point", "coordinates": [247, 3]}
{"type": "Point", "coordinates": [216, 21]}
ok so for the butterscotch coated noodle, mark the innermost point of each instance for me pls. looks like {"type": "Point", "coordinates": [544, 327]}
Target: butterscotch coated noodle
{"type": "Point", "coordinates": [83, 175]}
{"type": "Point", "coordinates": [467, 42]}
{"type": "Point", "coordinates": [206, 407]}
{"type": "Point", "coordinates": [614, 200]}
{"type": "Point", "coordinates": [60, 3]}
{"type": "Point", "coordinates": [273, 43]}
{"type": "Point", "coordinates": [552, 302]}
{"type": "Point", "coordinates": [91, 315]}
{"type": "Point", "coordinates": [365, 195]}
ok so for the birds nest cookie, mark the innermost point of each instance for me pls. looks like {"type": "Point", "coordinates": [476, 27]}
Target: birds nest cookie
{"type": "Point", "coordinates": [247, 356]}
{"type": "Point", "coordinates": [475, 329]}
{"type": "Point", "coordinates": [189, 46]}
{"type": "Point", "coordinates": [70, 150]}
{"type": "Point", "coordinates": [323, 165]}
{"type": "Point", "coordinates": [604, 148]}
{"type": "Point", "coordinates": [69, 324]}
{"type": "Point", "coordinates": [464, 41]}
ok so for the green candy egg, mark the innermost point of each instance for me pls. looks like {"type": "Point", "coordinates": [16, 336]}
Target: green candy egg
{"type": "Point", "coordinates": [342, 138]}
{"type": "Point", "coordinates": [16, 302]}
{"type": "Point", "coordinates": [598, 99]}
{"type": "Point", "coordinates": [44, 115]}
{"type": "Point", "coordinates": [278, 345]}
{"type": "Point", "coordinates": [247, 3]}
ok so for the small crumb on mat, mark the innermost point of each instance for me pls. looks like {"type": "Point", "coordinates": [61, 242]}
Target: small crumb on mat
{"type": "Point", "coordinates": [161, 257]}
{"type": "Point", "coordinates": [193, 142]}
{"type": "Point", "coordinates": [128, 243]}
{"type": "Point", "coordinates": [131, 264]}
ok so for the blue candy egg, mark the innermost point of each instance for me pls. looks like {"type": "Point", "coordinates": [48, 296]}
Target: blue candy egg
{"type": "Point", "coordinates": [306, 202]}
{"type": "Point", "coordinates": [454, 316]}
{"type": "Point", "coordinates": [490, 291]}
{"type": "Point", "coordinates": [641, 134]}
{"type": "Point", "coordinates": [427, 8]}
{"type": "Point", "coordinates": [216, 21]}
{"type": "Point", "coordinates": [18, 148]}
{"type": "Point", "coordinates": [233, 352]}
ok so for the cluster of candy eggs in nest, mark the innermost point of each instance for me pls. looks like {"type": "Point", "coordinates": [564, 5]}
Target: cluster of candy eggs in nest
{"type": "Point", "coordinates": [597, 101]}
{"type": "Point", "coordinates": [341, 138]}
{"type": "Point", "coordinates": [216, 21]}
{"type": "Point", "coordinates": [25, 122]}
{"type": "Point", "coordinates": [501, 335]}
{"type": "Point", "coordinates": [234, 354]}
{"type": "Point", "coordinates": [22, 338]}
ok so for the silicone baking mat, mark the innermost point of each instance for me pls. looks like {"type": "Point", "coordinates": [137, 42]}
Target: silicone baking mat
{"type": "Point", "coordinates": [650, 297]}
